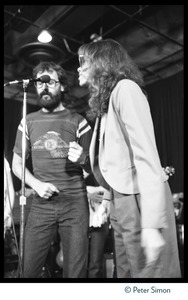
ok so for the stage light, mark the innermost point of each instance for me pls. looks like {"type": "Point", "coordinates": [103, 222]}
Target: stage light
{"type": "Point", "coordinates": [44, 37]}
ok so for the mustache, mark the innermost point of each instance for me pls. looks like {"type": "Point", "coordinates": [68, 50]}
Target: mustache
{"type": "Point", "coordinates": [45, 92]}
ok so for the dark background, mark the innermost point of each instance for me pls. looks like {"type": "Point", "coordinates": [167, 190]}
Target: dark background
{"type": "Point", "coordinates": [153, 35]}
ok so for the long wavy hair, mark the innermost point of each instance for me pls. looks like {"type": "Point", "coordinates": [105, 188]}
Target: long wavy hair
{"type": "Point", "coordinates": [108, 63]}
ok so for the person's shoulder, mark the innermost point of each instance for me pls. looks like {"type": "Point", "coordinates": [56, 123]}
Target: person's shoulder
{"type": "Point", "coordinates": [127, 87]}
{"type": "Point", "coordinates": [33, 115]}
{"type": "Point", "coordinates": [127, 92]}
{"type": "Point", "coordinates": [125, 83]}
{"type": "Point", "coordinates": [77, 116]}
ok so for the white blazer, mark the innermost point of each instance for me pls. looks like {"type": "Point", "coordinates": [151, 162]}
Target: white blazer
{"type": "Point", "coordinates": [128, 156]}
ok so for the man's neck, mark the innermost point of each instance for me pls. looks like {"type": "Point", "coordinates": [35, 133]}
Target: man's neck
{"type": "Point", "coordinates": [59, 108]}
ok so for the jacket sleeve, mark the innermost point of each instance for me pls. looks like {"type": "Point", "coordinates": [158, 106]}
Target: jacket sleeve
{"type": "Point", "coordinates": [134, 111]}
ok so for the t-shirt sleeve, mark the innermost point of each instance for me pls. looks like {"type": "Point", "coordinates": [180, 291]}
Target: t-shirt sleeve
{"type": "Point", "coordinates": [18, 141]}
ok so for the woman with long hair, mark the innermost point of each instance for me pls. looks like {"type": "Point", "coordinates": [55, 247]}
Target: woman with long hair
{"type": "Point", "coordinates": [125, 161]}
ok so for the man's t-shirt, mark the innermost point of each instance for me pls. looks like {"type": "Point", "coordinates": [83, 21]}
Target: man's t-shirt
{"type": "Point", "coordinates": [47, 140]}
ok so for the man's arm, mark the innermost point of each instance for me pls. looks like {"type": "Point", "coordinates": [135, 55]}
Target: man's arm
{"type": "Point", "coordinates": [43, 189]}
{"type": "Point", "coordinates": [77, 154]}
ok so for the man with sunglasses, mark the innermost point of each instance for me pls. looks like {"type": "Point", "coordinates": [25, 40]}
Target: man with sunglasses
{"type": "Point", "coordinates": [58, 141]}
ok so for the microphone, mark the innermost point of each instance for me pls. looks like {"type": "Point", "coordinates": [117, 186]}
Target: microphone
{"type": "Point", "coordinates": [43, 78]}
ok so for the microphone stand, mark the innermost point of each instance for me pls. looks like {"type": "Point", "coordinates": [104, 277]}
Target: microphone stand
{"type": "Point", "coordinates": [23, 197]}
{"type": "Point", "coordinates": [44, 78]}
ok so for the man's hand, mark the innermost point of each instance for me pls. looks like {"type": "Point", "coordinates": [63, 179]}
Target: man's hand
{"type": "Point", "coordinates": [95, 195]}
{"type": "Point", "coordinates": [153, 242]}
{"type": "Point", "coordinates": [46, 189]}
{"type": "Point", "coordinates": [75, 151]}
{"type": "Point", "coordinates": [102, 214]}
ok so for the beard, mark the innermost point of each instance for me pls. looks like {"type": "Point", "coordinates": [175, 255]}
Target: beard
{"type": "Point", "coordinates": [49, 101]}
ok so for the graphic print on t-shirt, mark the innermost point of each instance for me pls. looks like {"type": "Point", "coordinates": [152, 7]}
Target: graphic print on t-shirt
{"type": "Point", "coordinates": [53, 143]}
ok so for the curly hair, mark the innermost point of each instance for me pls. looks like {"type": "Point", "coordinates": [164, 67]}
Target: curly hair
{"type": "Point", "coordinates": [108, 63]}
{"type": "Point", "coordinates": [50, 66]}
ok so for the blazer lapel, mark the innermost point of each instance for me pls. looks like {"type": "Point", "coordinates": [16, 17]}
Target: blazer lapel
{"type": "Point", "coordinates": [93, 143]}
{"type": "Point", "coordinates": [102, 129]}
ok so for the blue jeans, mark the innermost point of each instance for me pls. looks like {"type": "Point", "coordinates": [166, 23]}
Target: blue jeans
{"type": "Point", "coordinates": [68, 214]}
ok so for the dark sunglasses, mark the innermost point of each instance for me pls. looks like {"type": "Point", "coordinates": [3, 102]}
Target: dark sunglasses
{"type": "Point", "coordinates": [81, 60]}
